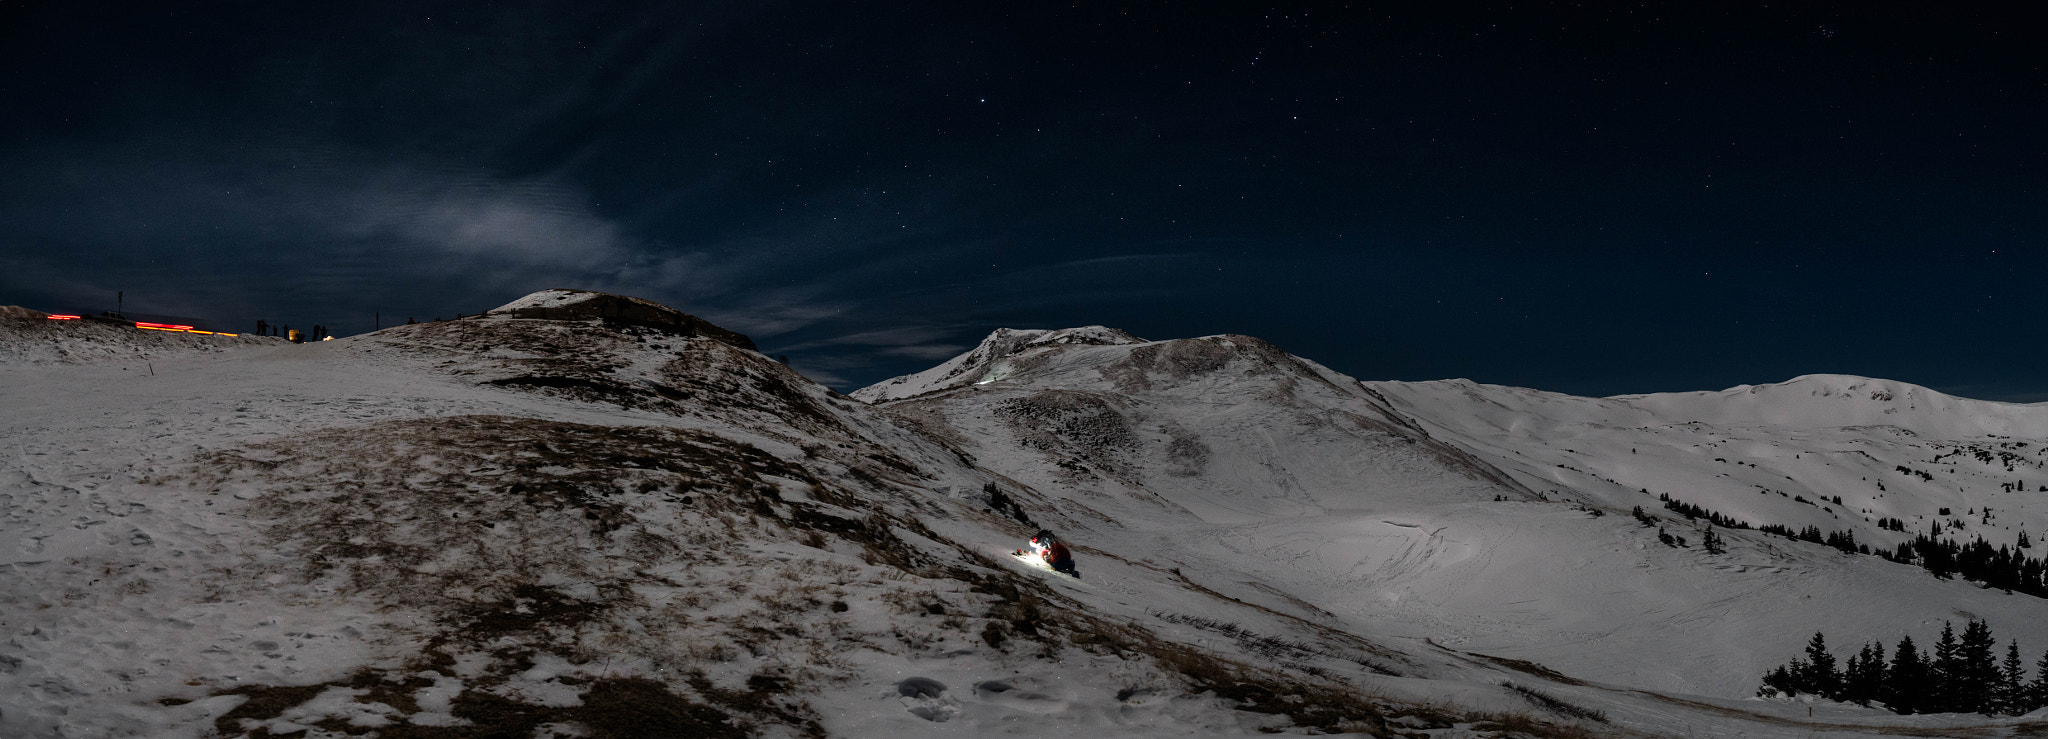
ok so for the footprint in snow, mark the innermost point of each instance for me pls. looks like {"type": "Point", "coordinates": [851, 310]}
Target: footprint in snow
{"type": "Point", "coordinates": [1003, 694]}
{"type": "Point", "coordinates": [926, 698]}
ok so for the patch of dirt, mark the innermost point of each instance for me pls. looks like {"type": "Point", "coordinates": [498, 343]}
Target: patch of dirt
{"type": "Point", "coordinates": [1526, 667]}
{"type": "Point", "coordinates": [1186, 455]}
{"type": "Point", "coordinates": [265, 702]}
{"type": "Point", "coordinates": [612, 708]}
{"type": "Point", "coordinates": [1063, 423]}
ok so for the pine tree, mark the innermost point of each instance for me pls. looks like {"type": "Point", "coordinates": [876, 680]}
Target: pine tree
{"type": "Point", "coordinates": [2012, 689]}
{"type": "Point", "coordinates": [1942, 674]}
{"type": "Point", "coordinates": [1850, 668]}
{"type": "Point", "coordinates": [1864, 680]}
{"type": "Point", "coordinates": [1781, 680]}
{"type": "Point", "coordinates": [1906, 683]}
{"type": "Point", "coordinates": [1974, 685]}
{"type": "Point", "coordinates": [2037, 691]}
{"type": "Point", "coordinates": [1798, 674]}
{"type": "Point", "coordinates": [1821, 676]}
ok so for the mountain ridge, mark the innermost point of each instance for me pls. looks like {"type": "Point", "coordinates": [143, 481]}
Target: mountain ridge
{"type": "Point", "coordinates": [565, 511]}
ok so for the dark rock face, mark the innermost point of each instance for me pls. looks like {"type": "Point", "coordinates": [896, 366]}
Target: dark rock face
{"type": "Point", "coordinates": [627, 311]}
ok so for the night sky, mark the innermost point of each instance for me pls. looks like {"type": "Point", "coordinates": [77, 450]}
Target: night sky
{"type": "Point", "coordinates": [1588, 198]}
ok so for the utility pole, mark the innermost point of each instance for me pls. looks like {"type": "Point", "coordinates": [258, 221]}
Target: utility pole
{"type": "Point", "coordinates": [377, 320]}
{"type": "Point", "coordinates": [119, 297]}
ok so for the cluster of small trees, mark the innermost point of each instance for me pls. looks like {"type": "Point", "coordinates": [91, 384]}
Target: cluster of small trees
{"type": "Point", "coordinates": [1843, 540]}
{"type": "Point", "coordinates": [1691, 512]}
{"type": "Point", "coordinates": [1713, 542]}
{"type": "Point", "coordinates": [1960, 675]}
{"type": "Point", "coordinates": [2004, 567]}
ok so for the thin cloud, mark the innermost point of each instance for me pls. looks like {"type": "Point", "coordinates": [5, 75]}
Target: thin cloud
{"type": "Point", "coordinates": [326, 230]}
{"type": "Point", "coordinates": [928, 352]}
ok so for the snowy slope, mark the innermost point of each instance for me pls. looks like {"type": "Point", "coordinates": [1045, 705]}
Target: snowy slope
{"type": "Point", "coordinates": [1772, 454]}
{"type": "Point", "coordinates": [590, 515]}
{"type": "Point", "coordinates": [604, 522]}
{"type": "Point", "coordinates": [1484, 518]}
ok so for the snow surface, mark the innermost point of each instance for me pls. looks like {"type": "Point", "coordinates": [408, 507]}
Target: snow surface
{"type": "Point", "coordinates": [1751, 452]}
{"type": "Point", "coordinates": [533, 514]}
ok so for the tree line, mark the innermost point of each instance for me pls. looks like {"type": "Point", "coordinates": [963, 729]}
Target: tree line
{"type": "Point", "coordinates": [2004, 567]}
{"type": "Point", "coordinates": [1960, 675]}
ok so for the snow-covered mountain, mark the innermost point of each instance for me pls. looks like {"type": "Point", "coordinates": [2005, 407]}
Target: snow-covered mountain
{"type": "Point", "coordinates": [591, 515]}
{"type": "Point", "coordinates": [1483, 517]}
{"type": "Point", "coordinates": [586, 515]}
{"type": "Point", "coordinates": [1003, 353]}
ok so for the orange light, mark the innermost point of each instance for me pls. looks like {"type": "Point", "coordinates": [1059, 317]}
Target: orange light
{"type": "Point", "coordinates": [197, 331]}
{"type": "Point", "coordinates": [163, 326]}
{"type": "Point", "coordinates": [154, 328]}
{"type": "Point", "coordinates": [63, 318]}
{"type": "Point", "coordinates": [227, 334]}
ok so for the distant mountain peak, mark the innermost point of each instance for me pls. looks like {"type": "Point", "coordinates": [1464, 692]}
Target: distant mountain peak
{"type": "Point", "coordinates": [989, 360]}
{"type": "Point", "coordinates": [1848, 386]}
{"type": "Point", "coordinates": [563, 304]}
{"type": "Point", "coordinates": [1004, 342]}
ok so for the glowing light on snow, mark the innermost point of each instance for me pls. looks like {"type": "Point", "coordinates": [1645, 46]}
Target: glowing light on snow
{"type": "Point", "coordinates": [162, 326]}
{"type": "Point", "coordinates": [63, 318]}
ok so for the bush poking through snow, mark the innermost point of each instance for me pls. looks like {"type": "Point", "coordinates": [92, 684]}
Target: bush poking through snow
{"type": "Point", "coordinates": [1557, 705]}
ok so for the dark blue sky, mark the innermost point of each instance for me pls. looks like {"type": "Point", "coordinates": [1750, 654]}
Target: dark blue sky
{"type": "Point", "coordinates": [1595, 200]}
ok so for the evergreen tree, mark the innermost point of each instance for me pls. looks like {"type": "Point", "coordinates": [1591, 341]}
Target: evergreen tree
{"type": "Point", "coordinates": [1781, 680]}
{"type": "Point", "coordinates": [1906, 683]}
{"type": "Point", "coordinates": [1850, 667]}
{"type": "Point", "coordinates": [1796, 677]}
{"type": "Point", "coordinates": [2012, 688]}
{"type": "Point", "coordinates": [2037, 691]}
{"type": "Point", "coordinates": [1974, 685]}
{"type": "Point", "coordinates": [1864, 679]}
{"type": "Point", "coordinates": [1942, 673]}
{"type": "Point", "coordinates": [1821, 676]}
